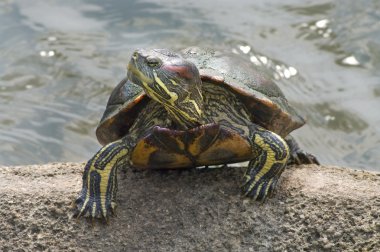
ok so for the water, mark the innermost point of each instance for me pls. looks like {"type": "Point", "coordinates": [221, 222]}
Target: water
{"type": "Point", "coordinates": [60, 60]}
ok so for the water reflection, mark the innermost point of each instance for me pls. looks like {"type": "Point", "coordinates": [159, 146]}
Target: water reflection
{"type": "Point", "coordinates": [59, 16]}
{"type": "Point", "coordinates": [310, 9]}
{"type": "Point", "coordinates": [47, 53]}
{"type": "Point", "coordinates": [352, 48]}
{"type": "Point", "coordinates": [277, 69]}
{"type": "Point", "coordinates": [337, 119]}
{"type": "Point", "coordinates": [316, 29]}
{"type": "Point", "coordinates": [376, 91]}
{"type": "Point", "coordinates": [349, 61]}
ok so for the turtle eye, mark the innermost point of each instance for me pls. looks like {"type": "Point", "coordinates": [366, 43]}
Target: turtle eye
{"type": "Point", "coordinates": [153, 62]}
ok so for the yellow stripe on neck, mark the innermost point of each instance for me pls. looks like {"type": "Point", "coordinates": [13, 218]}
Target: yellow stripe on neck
{"type": "Point", "coordinates": [173, 95]}
{"type": "Point", "coordinates": [169, 104]}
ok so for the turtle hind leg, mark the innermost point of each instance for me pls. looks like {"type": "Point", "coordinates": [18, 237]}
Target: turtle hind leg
{"type": "Point", "coordinates": [297, 155]}
{"type": "Point", "coordinates": [98, 196]}
{"type": "Point", "coordinates": [271, 155]}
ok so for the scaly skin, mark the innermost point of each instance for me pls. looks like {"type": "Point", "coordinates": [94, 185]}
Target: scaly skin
{"type": "Point", "coordinates": [98, 195]}
{"type": "Point", "coordinates": [265, 169]}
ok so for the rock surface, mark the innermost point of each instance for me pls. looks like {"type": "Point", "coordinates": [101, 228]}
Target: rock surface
{"type": "Point", "coordinates": [315, 208]}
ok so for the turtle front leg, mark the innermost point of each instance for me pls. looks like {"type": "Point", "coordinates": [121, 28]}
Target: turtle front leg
{"type": "Point", "coordinates": [98, 196]}
{"type": "Point", "coordinates": [271, 154]}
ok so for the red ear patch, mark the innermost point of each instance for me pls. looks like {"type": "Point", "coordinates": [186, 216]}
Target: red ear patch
{"type": "Point", "coordinates": [183, 71]}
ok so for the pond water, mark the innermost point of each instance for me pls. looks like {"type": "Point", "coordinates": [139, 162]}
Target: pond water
{"type": "Point", "coordinates": [59, 61]}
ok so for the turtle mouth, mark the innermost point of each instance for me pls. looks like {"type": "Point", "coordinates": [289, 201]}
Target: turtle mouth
{"type": "Point", "coordinates": [136, 76]}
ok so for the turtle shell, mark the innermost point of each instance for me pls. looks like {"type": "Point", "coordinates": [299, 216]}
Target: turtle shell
{"type": "Point", "coordinates": [125, 102]}
{"type": "Point", "coordinates": [268, 106]}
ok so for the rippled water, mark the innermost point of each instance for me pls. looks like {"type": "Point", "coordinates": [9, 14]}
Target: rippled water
{"type": "Point", "coordinates": [60, 60]}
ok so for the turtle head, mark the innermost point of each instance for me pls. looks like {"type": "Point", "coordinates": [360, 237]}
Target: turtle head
{"type": "Point", "coordinates": [171, 80]}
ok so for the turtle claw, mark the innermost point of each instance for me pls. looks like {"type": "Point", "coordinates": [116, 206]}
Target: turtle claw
{"type": "Point", "coordinates": [301, 157]}
{"type": "Point", "coordinates": [297, 155]}
{"type": "Point", "coordinates": [259, 190]}
{"type": "Point", "coordinates": [91, 208]}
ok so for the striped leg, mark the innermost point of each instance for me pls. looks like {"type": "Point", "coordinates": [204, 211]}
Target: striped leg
{"type": "Point", "coordinates": [272, 153]}
{"type": "Point", "coordinates": [98, 196]}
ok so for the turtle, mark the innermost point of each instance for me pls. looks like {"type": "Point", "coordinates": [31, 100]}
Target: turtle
{"type": "Point", "coordinates": [193, 108]}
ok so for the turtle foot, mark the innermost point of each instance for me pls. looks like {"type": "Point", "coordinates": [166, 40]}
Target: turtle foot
{"type": "Point", "coordinates": [301, 157]}
{"type": "Point", "coordinates": [90, 207]}
{"type": "Point", "coordinates": [297, 155]}
{"type": "Point", "coordinates": [259, 190]}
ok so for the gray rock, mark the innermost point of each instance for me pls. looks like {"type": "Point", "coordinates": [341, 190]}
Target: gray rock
{"type": "Point", "coordinates": [315, 208]}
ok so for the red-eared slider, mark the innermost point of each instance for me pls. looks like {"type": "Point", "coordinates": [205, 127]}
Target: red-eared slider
{"type": "Point", "coordinates": [197, 108]}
